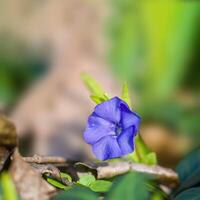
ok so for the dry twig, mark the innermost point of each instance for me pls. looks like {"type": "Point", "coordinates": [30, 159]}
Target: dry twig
{"type": "Point", "coordinates": [164, 175]}
{"type": "Point", "coordinates": [44, 159]}
{"type": "Point", "coordinates": [106, 170]}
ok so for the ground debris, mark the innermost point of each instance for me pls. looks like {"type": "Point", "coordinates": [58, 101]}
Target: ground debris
{"type": "Point", "coordinates": [29, 183]}
{"type": "Point", "coordinates": [8, 140]}
{"type": "Point", "coordinates": [7, 133]}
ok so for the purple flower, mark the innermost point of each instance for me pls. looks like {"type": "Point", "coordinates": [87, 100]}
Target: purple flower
{"type": "Point", "coordinates": [111, 129]}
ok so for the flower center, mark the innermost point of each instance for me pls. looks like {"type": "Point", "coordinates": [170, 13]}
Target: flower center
{"type": "Point", "coordinates": [118, 129]}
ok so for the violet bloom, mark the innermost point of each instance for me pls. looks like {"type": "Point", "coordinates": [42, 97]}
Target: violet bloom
{"type": "Point", "coordinates": [111, 129]}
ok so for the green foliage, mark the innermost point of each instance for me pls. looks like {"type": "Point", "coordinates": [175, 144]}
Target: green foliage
{"type": "Point", "coordinates": [151, 158]}
{"type": "Point", "coordinates": [142, 153]}
{"type": "Point", "coordinates": [188, 165]}
{"type": "Point", "coordinates": [156, 192]}
{"type": "Point", "coordinates": [190, 194]}
{"type": "Point", "coordinates": [98, 99]}
{"type": "Point", "coordinates": [190, 182]}
{"type": "Point", "coordinates": [93, 184]}
{"type": "Point", "coordinates": [189, 122]}
{"type": "Point", "coordinates": [151, 43]}
{"type": "Point", "coordinates": [77, 193]}
{"type": "Point", "coordinates": [173, 114]}
{"type": "Point", "coordinates": [100, 186]}
{"type": "Point", "coordinates": [59, 184]}
{"type": "Point", "coordinates": [15, 79]}
{"type": "Point", "coordinates": [97, 93]}
{"type": "Point", "coordinates": [189, 172]}
{"type": "Point", "coordinates": [66, 176]}
{"type": "Point", "coordinates": [18, 69]}
{"type": "Point", "coordinates": [7, 188]}
{"type": "Point", "coordinates": [131, 186]}
{"type": "Point", "coordinates": [86, 180]}
{"type": "Point", "coordinates": [157, 196]}
{"type": "Point", "coordinates": [125, 94]}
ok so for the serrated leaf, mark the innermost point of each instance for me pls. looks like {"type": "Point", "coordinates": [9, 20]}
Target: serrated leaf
{"type": "Point", "coordinates": [97, 93]}
{"type": "Point", "coordinates": [100, 186]}
{"type": "Point", "coordinates": [86, 180]}
{"type": "Point", "coordinates": [77, 193]}
{"type": "Point", "coordinates": [125, 94]}
{"type": "Point", "coordinates": [190, 194]}
{"type": "Point", "coordinates": [129, 187]}
{"type": "Point", "coordinates": [57, 184]}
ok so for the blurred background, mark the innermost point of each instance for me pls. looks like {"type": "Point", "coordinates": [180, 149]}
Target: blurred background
{"type": "Point", "coordinates": [153, 45]}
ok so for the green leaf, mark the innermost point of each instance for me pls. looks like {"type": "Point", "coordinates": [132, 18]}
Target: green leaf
{"type": "Point", "coordinates": [190, 194]}
{"type": "Point", "coordinates": [77, 193]}
{"type": "Point", "coordinates": [86, 180]}
{"type": "Point", "coordinates": [190, 182]}
{"type": "Point", "coordinates": [97, 93]}
{"type": "Point", "coordinates": [7, 188]}
{"type": "Point", "coordinates": [157, 196]}
{"type": "Point", "coordinates": [97, 99]}
{"type": "Point", "coordinates": [142, 153]}
{"type": "Point", "coordinates": [66, 176]}
{"type": "Point", "coordinates": [188, 165]}
{"type": "Point", "coordinates": [151, 159]}
{"type": "Point", "coordinates": [156, 191]}
{"type": "Point", "coordinates": [130, 187]}
{"type": "Point", "coordinates": [134, 157]}
{"type": "Point", "coordinates": [100, 186]}
{"type": "Point", "coordinates": [57, 184]}
{"type": "Point", "coordinates": [125, 94]}
{"type": "Point", "coordinates": [189, 172]}
{"type": "Point", "coordinates": [93, 184]}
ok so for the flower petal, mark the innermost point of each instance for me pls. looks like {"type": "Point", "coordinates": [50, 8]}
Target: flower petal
{"type": "Point", "coordinates": [106, 148]}
{"type": "Point", "coordinates": [97, 128]}
{"type": "Point", "coordinates": [109, 110]}
{"type": "Point", "coordinates": [125, 140]}
{"type": "Point", "coordinates": [129, 118]}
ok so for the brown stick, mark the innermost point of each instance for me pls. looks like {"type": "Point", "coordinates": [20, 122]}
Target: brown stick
{"type": "Point", "coordinates": [44, 159]}
{"type": "Point", "coordinates": [162, 174]}
{"type": "Point", "coordinates": [112, 169]}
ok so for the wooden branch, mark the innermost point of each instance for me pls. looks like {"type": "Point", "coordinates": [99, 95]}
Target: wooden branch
{"type": "Point", "coordinates": [164, 175]}
{"type": "Point", "coordinates": [52, 170]}
{"type": "Point", "coordinates": [47, 168]}
{"type": "Point", "coordinates": [44, 159]}
{"type": "Point", "coordinates": [105, 170]}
